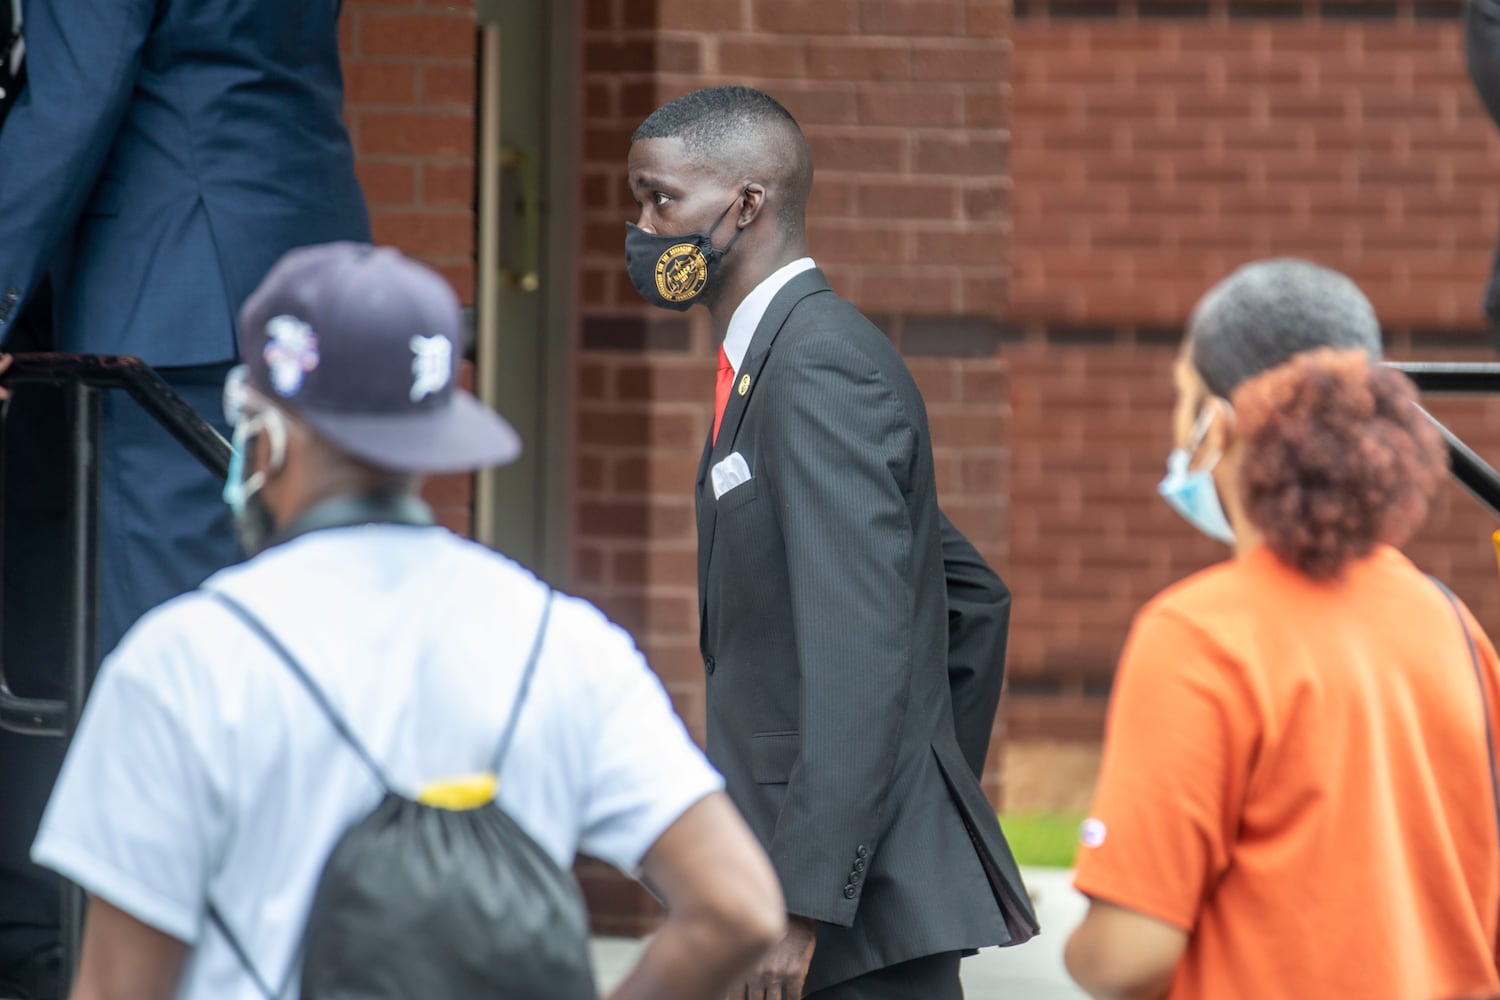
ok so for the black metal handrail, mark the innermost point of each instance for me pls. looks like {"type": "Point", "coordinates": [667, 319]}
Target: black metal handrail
{"type": "Point", "coordinates": [1460, 379]}
{"type": "Point", "coordinates": [137, 378]}
{"type": "Point", "coordinates": [85, 377]}
{"type": "Point", "coordinates": [1444, 378]}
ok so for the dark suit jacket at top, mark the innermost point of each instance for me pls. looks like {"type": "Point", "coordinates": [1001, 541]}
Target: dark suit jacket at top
{"type": "Point", "coordinates": [10, 84]}
{"type": "Point", "coordinates": [162, 155]}
{"type": "Point", "coordinates": [1482, 42]}
{"type": "Point", "coordinates": [824, 635]}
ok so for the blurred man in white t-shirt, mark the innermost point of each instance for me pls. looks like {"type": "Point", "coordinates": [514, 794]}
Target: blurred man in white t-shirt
{"type": "Point", "coordinates": [202, 771]}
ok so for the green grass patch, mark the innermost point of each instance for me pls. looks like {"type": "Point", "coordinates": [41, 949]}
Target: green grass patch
{"type": "Point", "coordinates": [1042, 840]}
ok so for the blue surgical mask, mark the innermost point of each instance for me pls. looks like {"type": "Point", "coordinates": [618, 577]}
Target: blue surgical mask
{"type": "Point", "coordinates": [1191, 492]}
{"type": "Point", "coordinates": [236, 490]}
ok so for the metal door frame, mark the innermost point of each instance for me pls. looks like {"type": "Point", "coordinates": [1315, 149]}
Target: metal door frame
{"type": "Point", "coordinates": [551, 268]}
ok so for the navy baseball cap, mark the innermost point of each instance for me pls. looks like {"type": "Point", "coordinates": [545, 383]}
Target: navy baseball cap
{"type": "Point", "coordinates": [363, 345]}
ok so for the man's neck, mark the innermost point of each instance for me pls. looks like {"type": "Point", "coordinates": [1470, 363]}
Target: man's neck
{"type": "Point", "coordinates": [351, 509]}
{"type": "Point", "coordinates": [736, 287]}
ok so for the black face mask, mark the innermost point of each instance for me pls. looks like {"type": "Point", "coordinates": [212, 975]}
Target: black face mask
{"type": "Point", "coordinates": [673, 272]}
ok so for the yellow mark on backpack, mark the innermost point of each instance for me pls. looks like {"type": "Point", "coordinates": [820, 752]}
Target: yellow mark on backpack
{"type": "Point", "coordinates": [471, 791]}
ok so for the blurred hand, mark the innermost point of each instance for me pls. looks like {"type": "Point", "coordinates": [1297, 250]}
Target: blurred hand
{"type": "Point", "coordinates": [781, 974]}
{"type": "Point", "coordinates": [4, 364]}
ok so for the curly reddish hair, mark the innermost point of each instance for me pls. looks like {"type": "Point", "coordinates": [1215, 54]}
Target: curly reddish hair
{"type": "Point", "coordinates": [1337, 458]}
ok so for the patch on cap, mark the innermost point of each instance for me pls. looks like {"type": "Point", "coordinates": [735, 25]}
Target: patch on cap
{"type": "Point", "coordinates": [431, 366]}
{"type": "Point", "coordinates": [290, 353]}
{"type": "Point", "coordinates": [1091, 832]}
{"type": "Point", "coordinates": [236, 394]}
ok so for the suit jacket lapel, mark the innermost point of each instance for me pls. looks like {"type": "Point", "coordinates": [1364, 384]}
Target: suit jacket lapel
{"type": "Point", "coordinates": [705, 509]}
{"type": "Point", "coordinates": [807, 283]}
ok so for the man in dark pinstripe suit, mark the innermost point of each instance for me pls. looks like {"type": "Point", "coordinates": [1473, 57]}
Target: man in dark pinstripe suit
{"type": "Point", "coordinates": [824, 620]}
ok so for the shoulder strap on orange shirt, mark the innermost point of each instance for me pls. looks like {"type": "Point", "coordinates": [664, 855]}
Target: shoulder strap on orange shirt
{"type": "Point", "coordinates": [1484, 700]}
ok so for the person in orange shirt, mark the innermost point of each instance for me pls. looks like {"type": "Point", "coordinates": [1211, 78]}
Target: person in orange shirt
{"type": "Point", "coordinates": [1297, 796]}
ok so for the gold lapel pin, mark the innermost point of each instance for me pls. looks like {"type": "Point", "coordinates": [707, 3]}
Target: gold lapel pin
{"type": "Point", "coordinates": [744, 385]}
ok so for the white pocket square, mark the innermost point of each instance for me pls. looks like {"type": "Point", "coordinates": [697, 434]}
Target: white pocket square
{"type": "Point", "coordinates": [729, 473]}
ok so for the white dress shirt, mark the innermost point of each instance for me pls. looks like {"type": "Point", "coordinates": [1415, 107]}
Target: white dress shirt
{"type": "Point", "coordinates": [753, 309]}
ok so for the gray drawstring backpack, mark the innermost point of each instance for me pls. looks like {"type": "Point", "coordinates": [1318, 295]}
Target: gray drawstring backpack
{"type": "Point", "coordinates": [422, 902]}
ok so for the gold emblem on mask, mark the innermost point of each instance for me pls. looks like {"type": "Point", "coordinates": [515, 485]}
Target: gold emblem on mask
{"type": "Point", "coordinates": [681, 272]}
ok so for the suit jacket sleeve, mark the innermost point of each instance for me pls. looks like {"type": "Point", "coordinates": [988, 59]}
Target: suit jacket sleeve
{"type": "Point", "coordinates": [10, 77]}
{"type": "Point", "coordinates": [82, 57]}
{"type": "Point", "coordinates": [840, 455]}
{"type": "Point", "coordinates": [1482, 45]}
{"type": "Point", "coordinates": [978, 625]}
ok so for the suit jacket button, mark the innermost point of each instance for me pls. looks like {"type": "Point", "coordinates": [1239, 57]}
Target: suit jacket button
{"type": "Point", "coordinates": [708, 664]}
{"type": "Point", "coordinates": [860, 852]}
{"type": "Point", "coordinates": [859, 864]}
{"type": "Point", "coordinates": [850, 892]}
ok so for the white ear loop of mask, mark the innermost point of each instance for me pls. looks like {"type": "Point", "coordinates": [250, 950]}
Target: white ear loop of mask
{"type": "Point", "coordinates": [271, 421]}
{"type": "Point", "coordinates": [1206, 417]}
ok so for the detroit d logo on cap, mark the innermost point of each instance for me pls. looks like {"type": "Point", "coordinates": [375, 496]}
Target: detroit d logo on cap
{"type": "Point", "coordinates": [431, 366]}
{"type": "Point", "coordinates": [681, 272]}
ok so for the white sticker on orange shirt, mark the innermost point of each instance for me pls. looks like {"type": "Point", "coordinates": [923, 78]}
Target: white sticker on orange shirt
{"type": "Point", "coordinates": [1091, 832]}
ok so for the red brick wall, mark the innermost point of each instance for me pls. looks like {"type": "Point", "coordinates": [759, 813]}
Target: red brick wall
{"type": "Point", "coordinates": [1150, 158]}
{"type": "Point", "coordinates": [409, 81]}
{"type": "Point", "coordinates": [409, 70]}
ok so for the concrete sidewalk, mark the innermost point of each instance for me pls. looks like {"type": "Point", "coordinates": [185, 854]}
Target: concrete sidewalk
{"type": "Point", "coordinates": [1033, 971]}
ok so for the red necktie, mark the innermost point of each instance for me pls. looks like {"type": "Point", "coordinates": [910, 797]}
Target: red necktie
{"type": "Point", "coordinates": [721, 391]}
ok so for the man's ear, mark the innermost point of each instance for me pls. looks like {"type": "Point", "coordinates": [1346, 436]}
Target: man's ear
{"type": "Point", "coordinates": [754, 201]}
{"type": "Point", "coordinates": [274, 442]}
{"type": "Point", "coordinates": [260, 454]}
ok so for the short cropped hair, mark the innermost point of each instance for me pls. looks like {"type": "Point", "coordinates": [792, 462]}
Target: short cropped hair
{"type": "Point", "coordinates": [1269, 311]}
{"type": "Point", "coordinates": [709, 119]}
{"type": "Point", "coordinates": [735, 127]}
